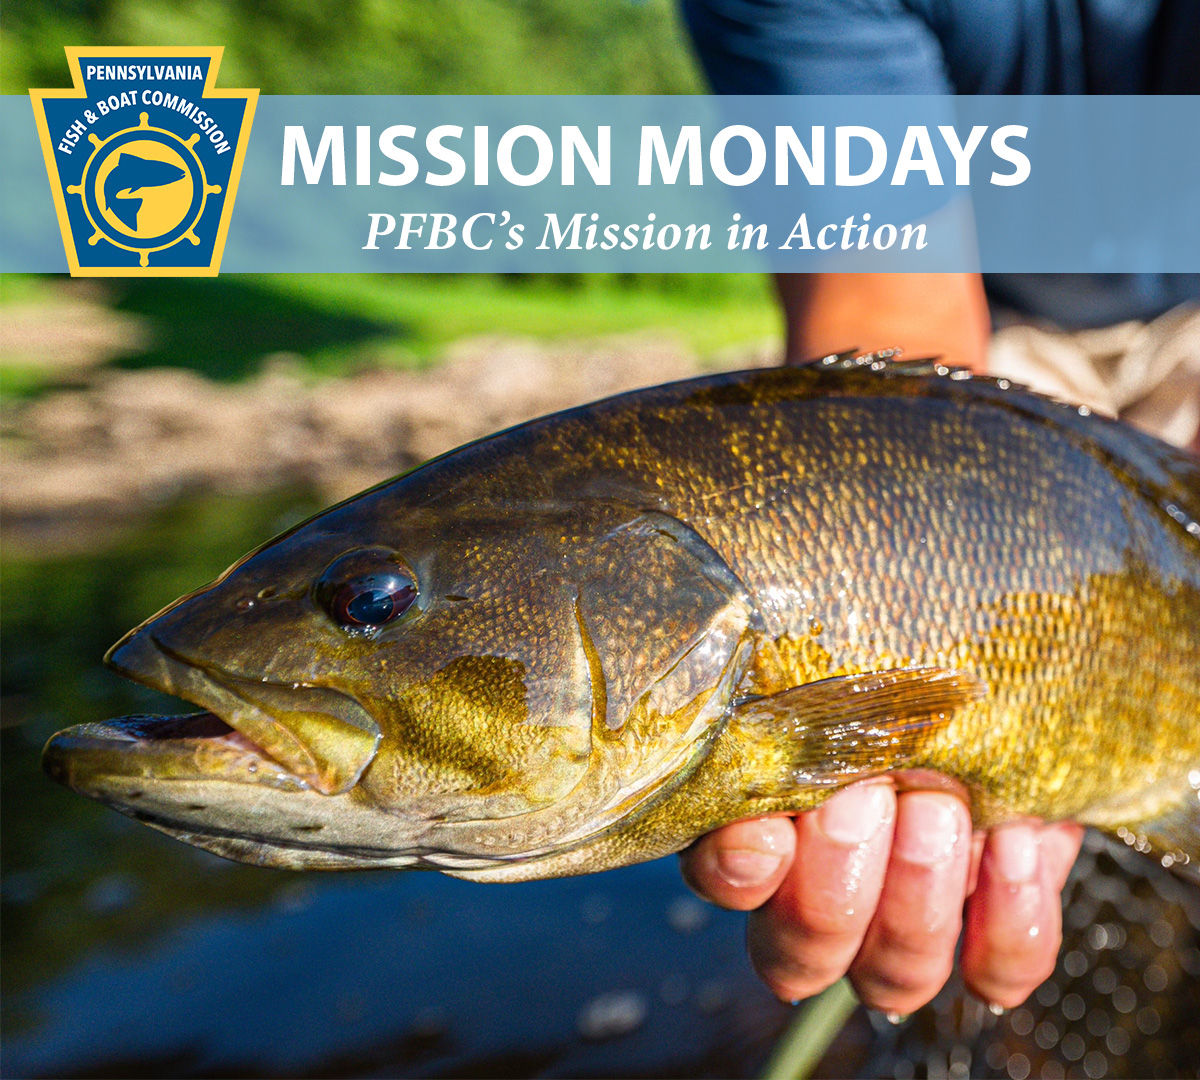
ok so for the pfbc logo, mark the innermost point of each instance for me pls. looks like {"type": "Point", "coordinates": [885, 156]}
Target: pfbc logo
{"type": "Point", "coordinates": [144, 157]}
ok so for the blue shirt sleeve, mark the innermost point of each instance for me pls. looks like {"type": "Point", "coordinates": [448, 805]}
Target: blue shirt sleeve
{"type": "Point", "coordinates": [947, 46]}
{"type": "Point", "coordinates": [816, 47]}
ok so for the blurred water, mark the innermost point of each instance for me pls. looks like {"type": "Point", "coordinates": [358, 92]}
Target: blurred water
{"type": "Point", "coordinates": [364, 975]}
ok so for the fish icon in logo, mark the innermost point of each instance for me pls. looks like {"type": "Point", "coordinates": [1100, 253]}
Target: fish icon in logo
{"type": "Point", "coordinates": [143, 189]}
{"type": "Point", "coordinates": [134, 181]}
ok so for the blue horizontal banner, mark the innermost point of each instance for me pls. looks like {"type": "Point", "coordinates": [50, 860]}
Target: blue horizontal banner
{"type": "Point", "coordinates": [687, 184]}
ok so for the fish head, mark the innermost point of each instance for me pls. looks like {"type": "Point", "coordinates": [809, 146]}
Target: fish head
{"type": "Point", "coordinates": [376, 674]}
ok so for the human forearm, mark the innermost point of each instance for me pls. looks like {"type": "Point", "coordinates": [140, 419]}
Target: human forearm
{"type": "Point", "coordinates": [943, 315]}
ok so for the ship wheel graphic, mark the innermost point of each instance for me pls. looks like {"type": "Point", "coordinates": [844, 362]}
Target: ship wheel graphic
{"type": "Point", "coordinates": [143, 189]}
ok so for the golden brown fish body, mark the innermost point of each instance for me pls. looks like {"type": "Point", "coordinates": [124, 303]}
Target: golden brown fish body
{"type": "Point", "coordinates": [587, 640]}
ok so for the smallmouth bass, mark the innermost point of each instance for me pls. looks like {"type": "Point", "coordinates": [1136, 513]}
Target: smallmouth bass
{"type": "Point", "coordinates": [587, 640]}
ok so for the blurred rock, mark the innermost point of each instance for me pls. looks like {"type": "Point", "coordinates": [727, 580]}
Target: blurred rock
{"type": "Point", "coordinates": [686, 915]}
{"type": "Point", "coordinates": [110, 894]}
{"type": "Point", "coordinates": [69, 331]}
{"type": "Point", "coordinates": [610, 1016]}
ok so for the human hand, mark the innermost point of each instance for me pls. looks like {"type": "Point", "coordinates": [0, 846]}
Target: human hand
{"type": "Point", "coordinates": [873, 884]}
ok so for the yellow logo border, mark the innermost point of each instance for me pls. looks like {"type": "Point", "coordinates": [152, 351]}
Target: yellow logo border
{"type": "Point", "coordinates": [78, 90]}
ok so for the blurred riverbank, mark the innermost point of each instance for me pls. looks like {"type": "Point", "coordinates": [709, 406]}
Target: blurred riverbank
{"type": "Point", "coordinates": [111, 412]}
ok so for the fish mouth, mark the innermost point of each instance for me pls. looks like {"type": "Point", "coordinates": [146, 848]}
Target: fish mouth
{"type": "Point", "coordinates": [195, 746]}
{"type": "Point", "coordinates": [321, 737]}
{"type": "Point", "coordinates": [197, 779]}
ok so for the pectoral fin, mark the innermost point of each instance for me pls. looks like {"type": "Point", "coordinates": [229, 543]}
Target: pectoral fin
{"type": "Point", "coordinates": [831, 732]}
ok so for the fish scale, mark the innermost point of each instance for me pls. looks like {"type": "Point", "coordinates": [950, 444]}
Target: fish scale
{"type": "Point", "coordinates": [643, 618]}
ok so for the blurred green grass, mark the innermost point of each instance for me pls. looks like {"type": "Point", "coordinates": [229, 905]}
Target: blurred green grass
{"type": "Point", "coordinates": [375, 46]}
{"type": "Point", "coordinates": [330, 325]}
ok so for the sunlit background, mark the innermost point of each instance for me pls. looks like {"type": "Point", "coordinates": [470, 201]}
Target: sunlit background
{"type": "Point", "coordinates": [153, 431]}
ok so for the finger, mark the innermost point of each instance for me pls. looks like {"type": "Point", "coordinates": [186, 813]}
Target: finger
{"type": "Point", "coordinates": [741, 865]}
{"type": "Point", "coordinates": [978, 839]}
{"type": "Point", "coordinates": [908, 951]}
{"type": "Point", "coordinates": [803, 939]}
{"type": "Point", "coordinates": [1014, 919]}
{"type": "Point", "coordinates": [1060, 844]}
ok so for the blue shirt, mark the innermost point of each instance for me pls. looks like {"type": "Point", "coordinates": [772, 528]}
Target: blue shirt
{"type": "Point", "coordinates": [948, 46]}
{"type": "Point", "coordinates": [970, 47]}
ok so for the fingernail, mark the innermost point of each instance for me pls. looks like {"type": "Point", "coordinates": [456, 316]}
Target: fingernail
{"type": "Point", "coordinates": [996, 1010]}
{"type": "Point", "coordinates": [1015, 854]}
{"type": "Point", "coordinates": [930, 830]}
{"type": "Point", "coordinates": [743, 867]}
{"type": "Point", "coordinates": [895, 1018]}
{"type": "Point", "coordinates": [854, 816]}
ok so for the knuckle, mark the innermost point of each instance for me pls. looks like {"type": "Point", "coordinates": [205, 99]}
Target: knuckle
{"type": "Point", "coordinates": [829, 926]}
{"type": "Point", "coordinates": [822, 917]}
{"type": "Point", "coordinates": [1006, 995]}
{"type": "Point", "coordinates": [916, 939]}
{"type": "Point", "coordinates": [695, 877]}
{"type": "Point", "coordinates": [899, 987]}
{"type": "Point", "coordinates": [789, 988]}
{"type": "Point", "coordinates": [1043, 971]}
{"type": "Point", "coordinates": [1007, 984]}
{"type": "Point", "coordinates": [795, 969]}
{"type": "Point", "coordinates": [1020, 953]}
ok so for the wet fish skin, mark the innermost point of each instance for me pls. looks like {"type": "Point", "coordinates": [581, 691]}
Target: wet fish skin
{"type": "Point", "coordinates": [646, 617]}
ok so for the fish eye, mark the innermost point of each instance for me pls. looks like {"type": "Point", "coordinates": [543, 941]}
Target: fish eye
{"type": "Point", "coordinates": [372, 600]}
{"type": "Point", "coordinates": [366, 589]}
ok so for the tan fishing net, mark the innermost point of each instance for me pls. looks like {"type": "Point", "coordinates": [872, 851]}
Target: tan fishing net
{"type": "Point", "coordinates": [1146, 373]}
